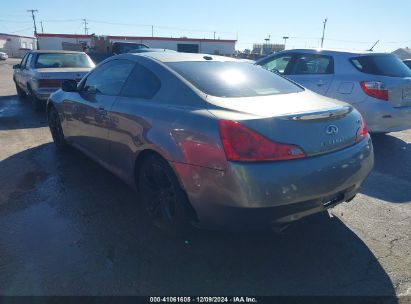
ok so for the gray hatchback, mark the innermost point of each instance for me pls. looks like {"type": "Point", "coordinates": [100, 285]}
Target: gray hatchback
{"type": "Point", "coordinates": [212, 140]}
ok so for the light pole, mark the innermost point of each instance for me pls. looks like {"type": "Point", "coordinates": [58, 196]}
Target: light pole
{"type": "Point", "coordinates": [285, 40]}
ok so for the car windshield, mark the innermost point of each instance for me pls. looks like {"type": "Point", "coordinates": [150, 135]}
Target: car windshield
{"type": "Point", "coordinates": [233, 79]}
{"type": "Point", "coordinates": [384, 65]}
{"type": "Point", "coordinates": [68, 60]}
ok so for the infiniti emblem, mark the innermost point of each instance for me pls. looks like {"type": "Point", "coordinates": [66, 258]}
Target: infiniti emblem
{"type": "Point", "coordinates": [331, 130]}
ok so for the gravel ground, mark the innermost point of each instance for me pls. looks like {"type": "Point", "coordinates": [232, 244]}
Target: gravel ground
{"type": "Point", "coordinates": [68, 227]}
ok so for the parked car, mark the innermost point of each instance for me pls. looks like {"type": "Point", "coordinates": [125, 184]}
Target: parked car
{"type": "Point", "coordinates": [146, 50]}
{"type": "Point", "coordinates": [212, 140]}
{"type": "Point", "coordinates": [3, 56]}
{"type": "Point", "coordinates": [407, 62]}
{"type": "Point", "coordinates": [41, 73]}
{"type": "Point", "coordinates": [377, 84]}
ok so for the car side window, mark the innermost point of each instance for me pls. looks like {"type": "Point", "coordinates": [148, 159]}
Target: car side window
{"type": "Point", "coordinates": [109, 78]}
{"type": "Point", "coordinates": [279, 64]}
{"type": "Point", "coordinates": [28, 62]}
{"type": "Point", "coordinates": [142, 83]}
{"type": "Point", "coordinates": [23, 61]}
{"type": "Point", "coordinates": [313, 64]}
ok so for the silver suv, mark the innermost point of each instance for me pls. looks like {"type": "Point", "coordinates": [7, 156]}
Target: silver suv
{"type": "Point", "coordinates": [377, 84]}
{"type": "Point", "coordinates": [41, 73]}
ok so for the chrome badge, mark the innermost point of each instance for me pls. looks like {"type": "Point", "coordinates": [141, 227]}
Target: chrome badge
{"type": "Point", "coordinates": [331, 130]}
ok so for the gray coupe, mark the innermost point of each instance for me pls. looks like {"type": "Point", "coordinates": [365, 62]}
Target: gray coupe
{"type": "Point", "coordinates": [214, 141]}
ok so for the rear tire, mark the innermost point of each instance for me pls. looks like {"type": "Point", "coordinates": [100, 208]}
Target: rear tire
{"type": "Point", "coordinates": [20, 92]}
{"type": "Point", "coordinates": [162, 196]}
{"type": "Point", "coordinates": [36, 103]}
{"type": "Point", "coordinates": [56, 130]}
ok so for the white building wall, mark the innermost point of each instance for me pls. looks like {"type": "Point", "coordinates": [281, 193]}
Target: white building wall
{"type": "Point", "coordinates": [17, 46]}
{"type": "Point", "coordinates": [55, 43]}
{"type": "Point", "coordinates": [207, 47]}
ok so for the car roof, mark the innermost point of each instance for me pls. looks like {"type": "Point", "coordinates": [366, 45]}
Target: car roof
{"type": "Point", "coordinates": [55, 51]}
{"type": "Point", "coordinates": [177, 57]}
{"type": "Point", "coordinates": [333, 51]}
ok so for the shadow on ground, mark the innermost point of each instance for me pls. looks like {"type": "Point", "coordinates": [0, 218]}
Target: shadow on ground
{"type": "Point", "coordinates": [16, 113]}
{"type": "Point", "coordinates": [76, 229]}
{"type": "Point", "coordinates": [391, 178]}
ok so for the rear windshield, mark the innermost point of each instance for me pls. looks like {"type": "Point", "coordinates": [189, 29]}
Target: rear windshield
{"type": "Point", "coordinates": [233, 79]}
{"type": "Point", "coordinates": [384, 65]}
{"type": "Point", "coordinates": [63, 61]}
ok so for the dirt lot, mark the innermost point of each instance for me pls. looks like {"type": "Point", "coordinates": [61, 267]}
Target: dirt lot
{"type": "Point", "coordinates": [69, 227]}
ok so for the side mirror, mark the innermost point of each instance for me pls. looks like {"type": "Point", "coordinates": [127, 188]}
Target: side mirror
{"type": "Point", "coordinates": [16, 67]}
{"type": "Point", "coordinates": [69, 86]}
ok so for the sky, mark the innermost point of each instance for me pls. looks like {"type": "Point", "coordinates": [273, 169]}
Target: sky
{"type": "Point", "coordinates": [351, 24]}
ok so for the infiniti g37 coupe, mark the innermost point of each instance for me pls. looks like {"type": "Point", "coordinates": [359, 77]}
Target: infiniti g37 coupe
{"type": "Point", "coordinates": [214, 141]}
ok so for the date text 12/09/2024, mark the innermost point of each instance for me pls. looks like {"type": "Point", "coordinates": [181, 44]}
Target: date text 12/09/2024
{"type": "Point", "coordinates": [237, 299]}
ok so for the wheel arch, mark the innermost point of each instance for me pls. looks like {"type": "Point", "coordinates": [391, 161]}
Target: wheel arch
{"type": "Point", "coordinates": [137, 165]}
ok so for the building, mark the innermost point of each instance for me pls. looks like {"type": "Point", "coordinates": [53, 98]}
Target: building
{"type": "Point", "coordinates": [15, 45]}
{"type": "Point", "coordinates": [267, 48]}
{"type": "Point", "coordinates": [403, 53]}
{"type": "Point", "coordinates": [183, 44]}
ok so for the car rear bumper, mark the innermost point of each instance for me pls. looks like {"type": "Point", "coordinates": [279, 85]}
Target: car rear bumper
{"type": "Point", "coordinates": [382, 117]}
{"type": "Point", "coordinates": [44, 93]}
{"type": "Point", "coordinates": [251, 196]}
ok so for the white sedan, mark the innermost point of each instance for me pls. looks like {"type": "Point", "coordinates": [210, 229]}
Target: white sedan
{"type": "Point", "coordinates": [3, 56]}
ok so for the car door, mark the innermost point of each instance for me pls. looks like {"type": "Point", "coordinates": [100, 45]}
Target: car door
{"type": "Point", "coordinates": [26, 72]}
{"type": "Point", "coordinates": [87, 112]}
{"type": "Point", "coordinates": [18, 72]}
{"type": "Point", "coordinates": [313, 71]}
{"type": "Point", "coordinates": [130, 124]}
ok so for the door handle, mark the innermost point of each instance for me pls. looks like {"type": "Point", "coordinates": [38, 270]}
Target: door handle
{"type": "Point", "coordinates": [102, 111]}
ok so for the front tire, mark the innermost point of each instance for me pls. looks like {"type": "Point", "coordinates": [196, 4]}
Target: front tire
{"type": "Point", "coordinates": [56, 130]}
{"type": "Point", "coordinates": [162, 196]}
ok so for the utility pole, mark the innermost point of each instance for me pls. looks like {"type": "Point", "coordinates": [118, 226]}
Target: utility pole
{"type": "Point", "coordinates": [214, 35]}
{"type": "Point", "coordinates": [324, 24]}
{"type": "Point", "coordinates": [152, 31]}
{"type": "Point", "coordinates": [42, 30]}
{"type": "Point", "coordinates": [285, 40]}
{"type": "Point", "coordinates": [85, 27]}
{"type": "Point", "coordinates": [32, 11]}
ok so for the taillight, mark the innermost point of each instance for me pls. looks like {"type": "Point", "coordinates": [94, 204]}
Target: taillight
{"type": "Point", "coordinates": [243, 144]}
{"type": "Point", "coordinates": [376, 89]}
{"type": "Point", "coordinates": [49, 83]}
{"type": "Point", "coordinates": [362, 131]}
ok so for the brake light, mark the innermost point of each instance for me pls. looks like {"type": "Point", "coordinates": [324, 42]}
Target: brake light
{"type": "Point", "coordinates": [376, 89]}
{"type": "Point", "coordinates": [50, 83]}
{"type": "Point", "coordinates": [243, 144]}
{"type": "Point", "coordinates": [362, 131]}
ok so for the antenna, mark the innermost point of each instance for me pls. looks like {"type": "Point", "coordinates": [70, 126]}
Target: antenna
{"type": "Point", "coordinates": [371, 49]}
{"type": "Point", "coordinates": [322, 39]}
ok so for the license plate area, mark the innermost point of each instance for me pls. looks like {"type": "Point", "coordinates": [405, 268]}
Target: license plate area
{"type": "Point", "coordinates": [406, 94]}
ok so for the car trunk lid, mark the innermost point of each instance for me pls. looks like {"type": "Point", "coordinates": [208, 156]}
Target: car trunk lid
{"type": "Point", "coordinates": [63, 73]}
{"type": "Point", "coordinates": [399, 90]}
{"type": "Point", "coordinates": [316, 124]}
